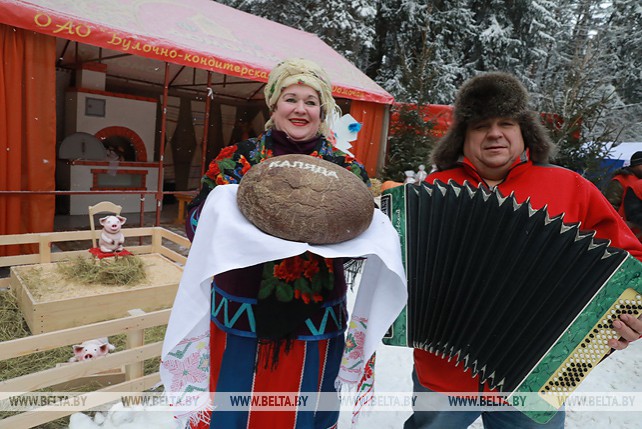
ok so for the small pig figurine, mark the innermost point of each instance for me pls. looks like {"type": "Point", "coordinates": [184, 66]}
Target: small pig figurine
{"type": "Point", "coordinates": [111, 239]}
{"type": "Point", "coordinates": [91, 349]}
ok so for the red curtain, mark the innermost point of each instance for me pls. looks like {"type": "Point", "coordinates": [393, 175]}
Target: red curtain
{"type": "Point", "coordinates": [368, 144]}
{"type": "Point", "coordinates": [27, 133]}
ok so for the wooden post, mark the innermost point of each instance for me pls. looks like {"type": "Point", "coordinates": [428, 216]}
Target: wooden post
{"type": "Point", "coordinates": [161, 155]}
{"type": "Point", "coordinates": [45, 249]}
{"type": "Point", "coordinates": [135, 339]}
{"type": "Point", "coordinates": [157, 241]}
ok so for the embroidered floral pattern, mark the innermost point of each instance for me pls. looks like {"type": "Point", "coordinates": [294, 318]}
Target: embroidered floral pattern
{"type": "Point", "coordinates": [188, 365]}
{"type": "Point", "coordinates": [186, 371]}
{"type": "Point", "coordinates": [365, 389]}
{"type": "Point", "coordinates": [359, 338]}
{"type": "Point", "coordinates": [356, 366]}
{"type": "Point", "coordinates": [353, 355]}
{"type": "Point", "coordinates": [300, 277]}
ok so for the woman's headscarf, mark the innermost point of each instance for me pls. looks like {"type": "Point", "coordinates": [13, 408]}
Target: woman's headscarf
{"type": "Point", "coordinates": [303, 72]}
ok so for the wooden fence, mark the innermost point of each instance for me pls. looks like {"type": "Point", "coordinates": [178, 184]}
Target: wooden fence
{"type": "Point", "coordinates": [133, 326]}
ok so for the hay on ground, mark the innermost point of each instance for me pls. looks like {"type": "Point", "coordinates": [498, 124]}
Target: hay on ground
{"type": "Point", "coordinates": [120, 270]}
{"type": "Point", "coordinates": [47, 282]}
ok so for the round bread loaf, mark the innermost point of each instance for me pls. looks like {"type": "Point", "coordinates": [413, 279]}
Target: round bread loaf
{"type": "Point", "coordinates": [306, 199]}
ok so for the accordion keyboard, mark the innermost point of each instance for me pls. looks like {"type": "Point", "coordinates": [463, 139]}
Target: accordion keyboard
{"type": "Point", "coordinates": [589, 352]}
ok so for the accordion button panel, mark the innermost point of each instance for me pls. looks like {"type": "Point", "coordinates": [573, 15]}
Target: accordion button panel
{"type": "Point", "coordinates": [589, 352]}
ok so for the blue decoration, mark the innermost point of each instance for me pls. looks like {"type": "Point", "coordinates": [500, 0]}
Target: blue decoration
{"type": "Point", "coordinates": [354, 127]}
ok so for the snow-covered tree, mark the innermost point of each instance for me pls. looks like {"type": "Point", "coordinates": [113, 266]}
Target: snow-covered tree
{"type": "Point", "coordinates": [420, 48]}
{"type": "Point", "coordinates": [576, 86]}
{"type": "Point", "coordinates": [578, 58]}
{"type": "Point", "coordinates": [400, 30]}
{"type": "Point", "coordinates": [451, 32]}
{"type": "Point", "coordinates": [347, 26]}
{"type": "Point", "coordinates": [496, 46]}
{"type": "Point", "coordinates": [623, 42]}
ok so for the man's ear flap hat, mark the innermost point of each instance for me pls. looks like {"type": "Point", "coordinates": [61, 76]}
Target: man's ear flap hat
{"type": "Point", "coordinates": [492, 95]}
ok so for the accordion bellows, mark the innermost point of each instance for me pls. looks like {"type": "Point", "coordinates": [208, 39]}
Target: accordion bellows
{"type": "Point", "coordinates": [496, 286]}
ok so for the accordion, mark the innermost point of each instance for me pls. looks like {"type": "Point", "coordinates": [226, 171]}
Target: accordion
{"type": "Point", "coordinates": [522, 300]}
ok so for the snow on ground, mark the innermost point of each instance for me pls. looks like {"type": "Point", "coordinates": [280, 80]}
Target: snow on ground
{"type": "Point", "coordinates": [621, 372]}
{"type": "Point", "coordinates": [120, 417]}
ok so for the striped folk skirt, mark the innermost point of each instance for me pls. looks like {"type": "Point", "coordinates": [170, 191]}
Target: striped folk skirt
{"type": "Point", "coordinates": [307, 366]}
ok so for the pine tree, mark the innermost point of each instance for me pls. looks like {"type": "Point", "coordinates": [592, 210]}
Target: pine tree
{"type": "Point", "coordinates": [410, 141]}
{"type": "Point", "coordinates": [451, 31]}
{"type": "Point", "coordinates": [346, 26]}
{"type": "Point", "coordinates": [420, 48]}
{"type": "Point", "coordinates": [496, 47]}
{"type": "Point", "coordinates": [401, 29]}
{"type": "Point", "coordinates": [624, 47]}
{"type": "Point", "coordinates": [578, 89]}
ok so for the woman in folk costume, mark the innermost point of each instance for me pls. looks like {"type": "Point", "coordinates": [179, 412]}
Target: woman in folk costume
{"type": "Point", "coordinates": [258, 343]}
{"type": "Point", "coordinates": [299, 96]}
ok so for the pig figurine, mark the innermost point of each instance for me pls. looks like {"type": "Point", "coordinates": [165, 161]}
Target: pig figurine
{"type": "Point", "coordinates": [91, 349]}
{"type": "Point", "coordinates": [111, 239]}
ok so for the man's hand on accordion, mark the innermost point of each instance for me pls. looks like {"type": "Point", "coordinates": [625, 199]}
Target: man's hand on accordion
{"type": "Point", "coordinates": [629, 328]}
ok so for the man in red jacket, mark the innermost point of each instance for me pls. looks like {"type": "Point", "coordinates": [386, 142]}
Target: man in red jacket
{"type": "Point", "coordinates": [622, 179]}
{"type": "Point", "coordinates": [624, 192]}
{"type": "Point", "coordinates": [631, 208]}
{"type": "Point", "coordinates": [497, 142]}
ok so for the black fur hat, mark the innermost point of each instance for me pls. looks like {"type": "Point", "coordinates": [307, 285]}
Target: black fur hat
{"type": "Point", "coordinates": [636, 159]}
{"type": "Point", "coordinates": [492, 95]}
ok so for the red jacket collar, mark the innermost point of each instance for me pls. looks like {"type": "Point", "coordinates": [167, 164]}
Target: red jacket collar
{"type": "Point", "coordinates": [468, 165]}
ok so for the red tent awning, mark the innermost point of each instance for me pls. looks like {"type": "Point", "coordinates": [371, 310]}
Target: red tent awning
{"type": "Point", "coordinates": [196, 33]}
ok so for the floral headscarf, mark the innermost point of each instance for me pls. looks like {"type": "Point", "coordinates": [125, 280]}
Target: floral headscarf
{"type": "Point", "coordinates": [303, 72]}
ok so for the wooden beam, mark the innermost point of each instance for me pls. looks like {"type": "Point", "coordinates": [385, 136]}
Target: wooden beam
{"type": "Point", "coordinates": [42, 415]}
{"type": "Point", "coordinates": [53, 340]}
{"type": "Point", "coordinates": [48, 377]}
